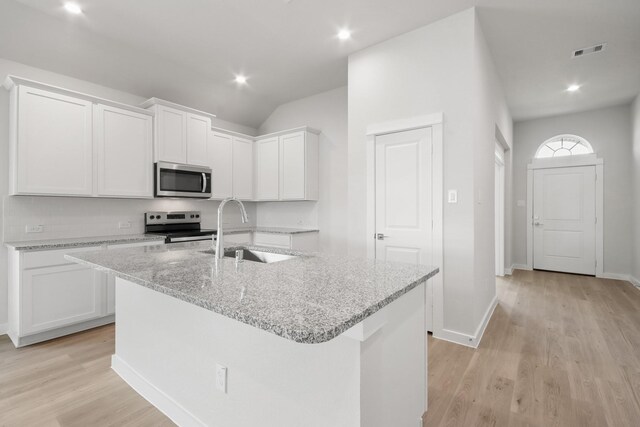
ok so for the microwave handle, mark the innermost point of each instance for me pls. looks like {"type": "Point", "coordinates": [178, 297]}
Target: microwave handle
{"type": "Point", "coordinates": [204, 182]}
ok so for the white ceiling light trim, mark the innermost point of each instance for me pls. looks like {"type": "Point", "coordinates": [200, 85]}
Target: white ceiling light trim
{"type": "Point", "coordinates": [73, 8]}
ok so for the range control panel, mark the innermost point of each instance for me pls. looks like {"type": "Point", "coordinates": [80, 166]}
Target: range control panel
{"type": "Point", "coordinates": [160, 218]}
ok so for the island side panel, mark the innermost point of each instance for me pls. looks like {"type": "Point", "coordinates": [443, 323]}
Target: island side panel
{"type": "Point", "coordinates": [394, 365]}
{"type": "Point", "coordinates": [167, 349]}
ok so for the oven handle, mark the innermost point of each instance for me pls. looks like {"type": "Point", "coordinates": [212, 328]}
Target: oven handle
{"type": "Point", "coordinates": [204, 182]}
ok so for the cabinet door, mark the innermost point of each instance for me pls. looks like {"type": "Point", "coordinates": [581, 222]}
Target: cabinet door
{"type": "Point", "coordinates": [267, 169]}
{"type": "Point", "coordinates": [54, 297]}
{"type": "Point", "coordinates": [54, 144]}
{"type": "Point", "coordinates": [292, 171]}
{"type": "Point", "coordinates": [242, 168]}
{"type": "Point", "coordinates": [220, 152]}
{"type": "Point", "coordinates": [171, 137]}
{"type": "Point", "coordinates": [198, 128]}
{"type": "Point", "coordinates": [124, 144]}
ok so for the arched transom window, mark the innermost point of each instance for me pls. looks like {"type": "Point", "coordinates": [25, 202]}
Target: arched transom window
{"type": "Point", "coordinates": [563, 145]}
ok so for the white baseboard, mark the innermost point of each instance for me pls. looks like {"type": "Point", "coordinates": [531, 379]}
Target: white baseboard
{"type": "Point", "coordinates": [153, 395]}
{"type": "Point", "coordinates": [4, 328]}
{"type": "Point", "coordinates": [521, 267]}
{"type": "Point", "coordinates": [472, 341]}
{"type": "Point", "coordinates": [626, 277]}
{"type": "Point", "coordinates": [508, 271]}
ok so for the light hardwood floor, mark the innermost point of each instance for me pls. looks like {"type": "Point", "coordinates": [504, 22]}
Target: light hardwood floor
{"type": "Point", "coordinates": [560, 350]}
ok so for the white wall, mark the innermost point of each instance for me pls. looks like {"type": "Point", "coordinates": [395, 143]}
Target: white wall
{"type": "Point", "coordinates": [491, 116]}
{"type": "Point", "coordinates": [443, 67]}
{"type": "Point", "coordinates": [326, 112]}
{"type": "Point", "coordinates": [609, 132]}
{"type": "Point", "coordinates": [69, 217]}
{"type": "Point", "coordinates": [635, 167]}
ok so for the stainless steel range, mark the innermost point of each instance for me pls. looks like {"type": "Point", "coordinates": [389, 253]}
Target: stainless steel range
{"type": "Point", "coordinates": [176, 226]}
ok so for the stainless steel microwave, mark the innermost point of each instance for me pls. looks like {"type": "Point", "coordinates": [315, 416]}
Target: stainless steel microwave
{"type": "Point", "coordinates": [178, 180]}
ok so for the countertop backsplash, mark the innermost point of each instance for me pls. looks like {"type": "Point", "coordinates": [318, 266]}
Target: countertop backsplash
{"type": "Point", "coordinates": [71, 217]}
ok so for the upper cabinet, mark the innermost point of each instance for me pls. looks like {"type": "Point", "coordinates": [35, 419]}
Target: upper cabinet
{"type": "Point", "coordinates": [66, 143]}
{"type": "Point", "coordinates": [220, 152]}
{"type": "Point", "coordinates": [123, 143]}
{"type": "Point", "coordinates": [242, 168]}
{"type": "Point", "coordinates": [287, 166]}
{"type": "Point", "coordinates": [181, 133]}
{"type": "Point", "coordinates": [52, 143]}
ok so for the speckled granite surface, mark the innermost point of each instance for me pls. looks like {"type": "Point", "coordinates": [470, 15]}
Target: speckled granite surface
{"type": "Point", "coordinates": [40, 245]}
{"type": "Point", "coordinates": [309, 299]}
{"type": "Point", "coordinates": [274, 230]}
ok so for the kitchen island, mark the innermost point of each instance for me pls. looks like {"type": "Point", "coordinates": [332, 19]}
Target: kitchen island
{"type": "Point", "coordinates": [308, 340]}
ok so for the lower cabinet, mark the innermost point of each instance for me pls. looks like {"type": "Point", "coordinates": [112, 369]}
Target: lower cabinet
{"type": "Point", "coordinates": [295, 241]}
{"type": "Point", "coordinates": [53, 297]}
{"type": "Point", "coordinates": [50, 296]}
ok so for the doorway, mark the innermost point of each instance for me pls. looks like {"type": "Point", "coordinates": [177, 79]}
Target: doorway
{"type": "Point", "coordinates": [403, 196]}
{"type": "Point", "coordinates": [499, 209]}
{"type": "Point", "coordinates": [564, 220]}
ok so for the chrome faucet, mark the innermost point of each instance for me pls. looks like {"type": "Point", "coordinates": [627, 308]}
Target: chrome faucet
{"type": "Point", "coordinates": [220, 237]}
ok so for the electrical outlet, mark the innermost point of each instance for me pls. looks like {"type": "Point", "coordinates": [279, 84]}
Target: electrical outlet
{"type": "Point", "coordinates": [221, 378]}
{"type": "Point", "coordinates": [124, 224]}
{"type": "Point", "coordinates": [34, 228]}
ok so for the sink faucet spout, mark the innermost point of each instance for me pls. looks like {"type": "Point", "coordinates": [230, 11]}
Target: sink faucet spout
{"type": "Point", "coordinates": [219, 242]}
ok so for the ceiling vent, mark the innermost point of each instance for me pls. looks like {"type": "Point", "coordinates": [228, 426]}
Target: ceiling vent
{"type": "Point", "coordinates": [588, 50]}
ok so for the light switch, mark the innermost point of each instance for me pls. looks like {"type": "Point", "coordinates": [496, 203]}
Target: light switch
{"type": "Point", "coordinates": [453, 196]}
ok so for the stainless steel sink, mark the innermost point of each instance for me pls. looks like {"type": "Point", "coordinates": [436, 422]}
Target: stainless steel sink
{"type": "Point", "coordinates": [259, 256]}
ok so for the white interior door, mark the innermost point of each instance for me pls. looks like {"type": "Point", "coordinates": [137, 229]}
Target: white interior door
{"type": "Point", "coordinates": [403, 196]}
{"type": "Point", "coordinates": [564, 219]}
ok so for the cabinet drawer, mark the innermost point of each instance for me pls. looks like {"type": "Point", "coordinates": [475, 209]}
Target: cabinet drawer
{"type": "Point", "coordinates": [239, 238]}
{"type": "Point", "coordinates": [54, 257]}
{"type": "Point", "coordinates": [275, 240]}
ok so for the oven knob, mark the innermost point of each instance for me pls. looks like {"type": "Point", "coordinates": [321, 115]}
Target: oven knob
{"type": "Point", "coordinates": [152, 217]}
{"type": "Point", "coordinates": [192, 216]}
{"type": "Point", "coordinates": [197, 216]}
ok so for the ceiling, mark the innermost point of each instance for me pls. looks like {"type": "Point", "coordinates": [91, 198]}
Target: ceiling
{"type": "Point", "coordinates": [189, 51]}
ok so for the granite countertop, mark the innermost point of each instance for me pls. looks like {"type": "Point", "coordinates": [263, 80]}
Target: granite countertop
{"type": "Point", "coordinates": [79, 242]}
{"type": "Point", "coordinates": [309, 299]}
{"type": "Point", "coordinates": [274, 230]}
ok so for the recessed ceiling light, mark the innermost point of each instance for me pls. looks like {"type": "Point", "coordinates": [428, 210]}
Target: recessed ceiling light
{"type": "Point", "coordinates": [73, 8]}
{"type": "Point", "coordinates": [573, 88]}
{"type": "Point", "coordinates": [344, 34]}
{"type": "Point", "coordinates": [241, 80]}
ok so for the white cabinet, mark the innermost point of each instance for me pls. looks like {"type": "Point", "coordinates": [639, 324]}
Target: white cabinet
{"type": "Point", "coordinates": [124, 145]}
{"type": "Point", "coordinates": [198, 128]}
{"type": "Point", "coordinates": [51, 143]}
{"type": "Point", "coordinates": [170, 135]}
{"type": "Point", "coordinates": [267, 168]}
{"type": "Point", "coordinates": [59, 296]}
{"type": "Point", "coordinates": [220, 153]}
{"type": "Point", "coordinates": [287, 166]}
{"type": "Point", "coordinates": [295, 241]}
{"type": "Point", "coordinates": [65, 143]}
{"type": "Point", "coordinates": [242, 168]}
{"type": "Point", "coordinates": [181, 133]}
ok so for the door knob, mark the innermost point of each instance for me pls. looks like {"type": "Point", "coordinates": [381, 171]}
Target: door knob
{"type": "Point", "coordinates": [380, 236]}
{"type": "Point", "coordinates": [538, 223]}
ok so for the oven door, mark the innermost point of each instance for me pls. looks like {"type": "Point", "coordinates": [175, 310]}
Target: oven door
{"type": "Point", "coordinates": [177, 180]}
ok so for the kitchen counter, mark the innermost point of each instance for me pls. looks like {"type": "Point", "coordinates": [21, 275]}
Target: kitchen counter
{"type": "Point", "coordinates": [78, 242]}
{"type": "Point", "coordinates": [309, 299]}
{"type": "Point", "coordinates": [273, 230]}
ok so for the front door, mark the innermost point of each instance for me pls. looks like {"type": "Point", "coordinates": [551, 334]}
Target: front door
{"type": "Point", "coordinates": [403, 196]}
{"type": "Point", "coordinates": [564, 219]}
